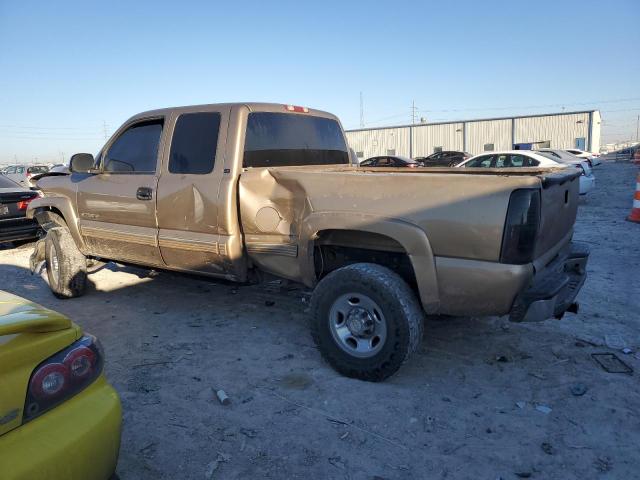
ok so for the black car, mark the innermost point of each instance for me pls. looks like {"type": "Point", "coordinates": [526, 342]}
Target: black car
{"type": "Point", "coordinates": [449, 158]}
{"type": "Point", "coordinates": [14, 225]}
{"type": "Point", "coordinates": [389, 161]}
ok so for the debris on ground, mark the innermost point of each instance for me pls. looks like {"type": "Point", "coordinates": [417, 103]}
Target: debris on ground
{"type": "Point", "coordinates": [544, 409]}
{"type": "Point", "coordinates": [591, 340]}
{"type": "Point", "coordinates": [547, 448]}
{"type": "Point", "coordinates": [611, 363]}
{"type": "Point", "coordinates": [269, 303]}
{"type": "Point", "coordinates": [614, 341]}
{"type": "Point", "coordinates": [520, 405]}
{"type": "Point", "coordinates": [523, 474]}
{"type": "Point", "coordinates": [578, 389]}
{"type": "Point", "coordinates": [627, 351]}
{"type": "Point", "coordinates": [603, 464]}
{"type": "Point", "coordinates": [337, 462]}
{"type": "Point", "coordinates": [213, 466]}
{"type": "Point", "coordinates": [222, 397]}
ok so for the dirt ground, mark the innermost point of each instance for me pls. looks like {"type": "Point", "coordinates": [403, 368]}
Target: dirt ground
{"type": "Point", "coordinates": [483, 399]}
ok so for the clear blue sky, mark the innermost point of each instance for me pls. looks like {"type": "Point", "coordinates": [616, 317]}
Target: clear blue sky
{"type": "Point", "coordinates": [67, 67]}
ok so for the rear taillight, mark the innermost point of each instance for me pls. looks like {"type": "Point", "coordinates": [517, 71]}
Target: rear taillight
{"type": "Point", "coordinates": [521, 227]}
{"type": "Point", "coordinates": [63, 375]}
{"type": "Point", "coordinates": [23, 204]}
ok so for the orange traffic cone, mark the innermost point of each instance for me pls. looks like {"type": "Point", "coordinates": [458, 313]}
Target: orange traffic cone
{"type": "Point", "coordinates": [635, 210]}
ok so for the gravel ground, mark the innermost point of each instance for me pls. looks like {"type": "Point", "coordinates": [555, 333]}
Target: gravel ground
{"type": "Point", "coordinates": [483, 399]}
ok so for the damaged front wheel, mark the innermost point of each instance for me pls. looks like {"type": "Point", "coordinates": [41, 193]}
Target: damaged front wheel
{"type": "Point", "coordinates": [66, 265]}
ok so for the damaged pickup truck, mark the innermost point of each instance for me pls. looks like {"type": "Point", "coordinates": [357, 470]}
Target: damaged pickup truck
{"type": "Point", "coordinates": [237, 191]}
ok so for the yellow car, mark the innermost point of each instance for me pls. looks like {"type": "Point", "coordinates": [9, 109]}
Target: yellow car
{"type": "Point", "coordinates": [59, 418]}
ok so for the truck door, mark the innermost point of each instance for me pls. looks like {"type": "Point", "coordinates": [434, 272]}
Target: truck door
{"type": "Point", "coordinates": [117, 205]}
{"type": "Point", "coordinates": [188, 200]}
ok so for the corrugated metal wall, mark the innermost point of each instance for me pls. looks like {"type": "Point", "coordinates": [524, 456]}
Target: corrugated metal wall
{"type": "Point", "coordinates": [560, 130]}
{"type": "Point", "coordinates": [497, 132]}
{"type": "Point", "coordinates": [380, 141]}
{"type": "Point", "coordinates": [425, 138]}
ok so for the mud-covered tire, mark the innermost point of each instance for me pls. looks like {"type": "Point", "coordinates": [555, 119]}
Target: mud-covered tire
{"type": "Point", "coordinates": [66, 265]}
{"type": "Point", "coordinates": [400, 309]}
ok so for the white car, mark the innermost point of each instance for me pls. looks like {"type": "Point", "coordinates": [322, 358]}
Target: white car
{"type": "Point", "coordinates": [529, 158]}
{"type": "Point", "coordinates": [592, 157]}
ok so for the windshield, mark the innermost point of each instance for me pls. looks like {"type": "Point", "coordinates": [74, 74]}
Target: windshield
{"type": "Point", "coordinates": [284, 139]}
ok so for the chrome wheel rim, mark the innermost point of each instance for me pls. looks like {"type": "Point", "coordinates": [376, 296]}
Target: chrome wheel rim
{"type": "Point", "coordinates": [54, 263]}
{"type": "Point", "coordinates": [357, 325]}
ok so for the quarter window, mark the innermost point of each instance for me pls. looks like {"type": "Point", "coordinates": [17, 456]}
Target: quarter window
{"type": "Point", "coordinates": [136, 150]}
{"type": "Point", "coordinates": [195, 139]}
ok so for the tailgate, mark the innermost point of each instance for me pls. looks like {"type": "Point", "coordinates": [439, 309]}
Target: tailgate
{"type": "Point", "coordinates": [559, 206]}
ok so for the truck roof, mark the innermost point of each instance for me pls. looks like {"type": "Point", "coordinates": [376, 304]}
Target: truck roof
{"type": "Point", "coordinates": [252, 106]}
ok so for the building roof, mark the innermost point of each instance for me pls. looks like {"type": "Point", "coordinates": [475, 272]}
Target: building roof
{"type": "Point", "coordinates": [471, 120]}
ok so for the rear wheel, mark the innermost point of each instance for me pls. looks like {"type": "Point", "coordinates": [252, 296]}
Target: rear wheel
{"type": "Point", "coordinates": [66, 265]}
{"type": "Point", "coordinates": [366, 321]}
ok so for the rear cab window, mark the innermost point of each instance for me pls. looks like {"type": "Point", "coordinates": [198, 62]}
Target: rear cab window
{"type": "Point", "coordinates": [286, 139]}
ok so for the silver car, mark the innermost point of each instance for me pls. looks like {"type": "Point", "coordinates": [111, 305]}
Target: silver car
{"type": "Point", "coordinates": [21, 174]}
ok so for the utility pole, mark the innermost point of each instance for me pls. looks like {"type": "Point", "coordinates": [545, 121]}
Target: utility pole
{"type": "Point", "coordinates": [104, 129]}
{"type": "Point", "coordinates": [361, 111]}
{"type": "Point", "coordinates": [413, 112]}
{"type": "Point", "coordinates": [637, 128]}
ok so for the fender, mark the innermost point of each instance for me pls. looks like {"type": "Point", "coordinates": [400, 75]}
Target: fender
{"type": "Point", "coordinates": [412, 238]}
{"type": "Point", "coordinates": [63, 205]}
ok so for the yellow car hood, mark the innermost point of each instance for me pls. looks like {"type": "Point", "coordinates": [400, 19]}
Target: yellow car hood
{"type": "Point", "coordinates": [18, 315]}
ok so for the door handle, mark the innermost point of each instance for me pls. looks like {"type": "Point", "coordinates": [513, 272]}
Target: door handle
{"type": "Point", "coordinates": [144, 193]}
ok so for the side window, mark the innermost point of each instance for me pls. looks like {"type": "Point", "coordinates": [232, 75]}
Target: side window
{"type": "Point", "coordinates": [503, 161]}
{"type": "Point", "coordinates": [367, 163]}
{"type": "Point", "coordinates": [136, 150]}
{"type": "Point", "coordinates": [10, 170]}
{"type": "Point", "coordinates": [519, 161]}
{"type": "Point", "coordinates": [195, 139]}
{"type": "Point", "coordinates": [383, 162]}
{"type": "Point", "coordinates": [19, 169]}
{"type": "Point", "coordinates": [484, 162]}
{"type": "Point", "coordinates": [531, 162]}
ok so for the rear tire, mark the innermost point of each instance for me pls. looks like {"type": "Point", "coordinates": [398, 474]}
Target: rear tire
{"type": "Point", "coordinates": [366, 321]}
{"type": "Point", "coordinates": [66, 265]}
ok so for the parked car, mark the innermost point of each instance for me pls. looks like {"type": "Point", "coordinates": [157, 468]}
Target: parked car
{"type": "Point", "coordinates": [593, 158]}
{"type": "Point", "coordinates": [14, 225]}
{"type": "Point", "coordinates": [379, 248]}
{"type": "Point", "coordinates": [59, 418]}
{"type": "Point", "coordinates": [530, 158]}
{"type": "Point", "coordinates": [443, 159]}
{"type": "Point", "coordinates": [389, 161]}
{"type": "Point", "coordinates": [22, 174]}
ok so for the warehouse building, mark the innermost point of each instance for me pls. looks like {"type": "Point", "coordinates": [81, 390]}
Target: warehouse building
{"type": "Point", "coordinates": [554, 130]}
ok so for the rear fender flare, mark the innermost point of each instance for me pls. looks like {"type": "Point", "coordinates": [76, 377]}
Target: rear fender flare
{"type": "Point", "coordinates": [412, 238]}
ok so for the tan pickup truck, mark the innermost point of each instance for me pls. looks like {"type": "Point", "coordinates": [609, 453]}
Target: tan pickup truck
{"type": "Point", "coordinates": [235, 191]}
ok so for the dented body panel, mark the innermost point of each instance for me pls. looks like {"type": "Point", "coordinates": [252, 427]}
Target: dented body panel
{"type": "Point", "coordinates": [443, 227]}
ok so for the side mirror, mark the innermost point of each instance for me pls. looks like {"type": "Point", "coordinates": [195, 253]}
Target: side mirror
{"type": "Point", "coordinates": [81, 162]}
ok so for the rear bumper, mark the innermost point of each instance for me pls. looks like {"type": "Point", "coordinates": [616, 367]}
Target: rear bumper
{"type": "Point", "coordinates": [553, 290]}
{"type": "Point", "coordinates": [587, 184]}
{"type": "Point", "coordinates": [18, 229]}
{"type": "Point", "coordinates": [77, 440]}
